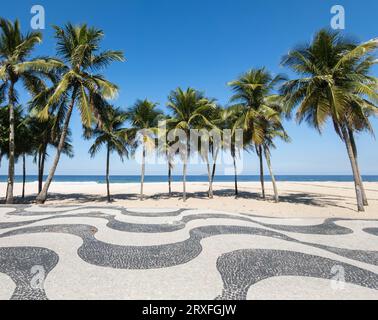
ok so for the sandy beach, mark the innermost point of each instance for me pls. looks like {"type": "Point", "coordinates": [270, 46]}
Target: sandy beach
{"type": "Point", "coordinates": [297, 199]}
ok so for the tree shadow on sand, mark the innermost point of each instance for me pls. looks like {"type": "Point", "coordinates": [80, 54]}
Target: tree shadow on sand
{"type": "Point", "coordinates": [310, 199]}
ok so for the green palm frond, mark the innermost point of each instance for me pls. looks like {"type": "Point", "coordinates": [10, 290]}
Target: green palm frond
{"type": "Point", "coordinates": [335, 74]}
{"type": "Point", "coordinates": [105, 58]}
{"type": "Point", "coordinates": [357, 53]}
{"type": "Point", "coordinates": [61, 89]}
{"type": "Point", "coordinates": [84, 107]}
{"type": "Point", "coordinates": [38, 65]}
{"type": "Point", "coordinates": [258, 108]}
{"type": "Point", "coordinates": [107, 89]}
{"type": "Point", "coordinates": [111, 133]}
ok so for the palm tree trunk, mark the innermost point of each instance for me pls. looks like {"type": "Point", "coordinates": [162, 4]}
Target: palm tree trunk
{"type": "Point", "coordinates": [261, 171]}
{"type": "Point", "coordinates": [184, 174]}
{"type": "Point", "coordinates": [214, 169]}
{"type": "Point", "coordinates": [169, 178]}
{"type": "Point", "coordinates": [43, 160]}
{"type": "Point", "coordinates": [268, 162]}
{"type": "Point", "coordinates": [41, 168]}
{"type": "Point", "coordinates": [213, 172]}
{"type": "Point", "coordinates": [236, 176]}
{"type": "Point", "coordinates": [142, 174]}
{"type": "Point", "coordinates": [107, 172]}
{"type": "Point", "coordinates": [23, 175]}
{"type": "Point", "coordinates": [360, 181]}
{"type": "Point", "coordinates": [211, 195]}
{"type": "Point", "coordinates": [349, 147]}
{"type": "Point", "coordinates": [9, 196]}
{"type": "Point", "coordinates": [41, 198]}
{"type": "Point", "coordinates": [39, 173]}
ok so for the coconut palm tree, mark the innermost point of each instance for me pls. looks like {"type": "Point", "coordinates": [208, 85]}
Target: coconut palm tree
{"type": "Point", "coordinates": [17, 120]}
{"type": "Point", "coordinates": [226, 122]}
{"type": "Point", "coordinates": [113, 135]}
{"type": "Point", "coordinates": [253, 93]}
{"type": "Point", "coordinates": [79, 46]}
{"type": "Point", "coordinates": [24, 144]}
{"type": "Point", "coordinates": [46, 131]}
{"type": "Point", "coordinates": [335, 83]}
{"type": "Point", "coordinates": [218, 122]}
{"type": "Point", "coordinates": [170, 156]}
{"type": "Point", "coordinates": [144, 117]}
{"type": "Point", "coordinates": [16, 66]}
{"type": "Point", "coordinates": [221, 121]}
{"type": "Point", "coordinates": [4, 128]}
{"type": "Point", "coordinates": [210, 140]}
{"type": "Point", "coordinates": [190, 109]}
{"type": "Point", "coordinates": [23, 138]}
{"type": "Point", "coordinates": [357, 123]}
{"type": "Point", "coordinates": [231, 116]}
{"type": "Point", "coordinates": [45, 134]}
{"type": "Point", "coordinates": [273, 131]}
{"type": "Point", "coordinates": [166, 149]}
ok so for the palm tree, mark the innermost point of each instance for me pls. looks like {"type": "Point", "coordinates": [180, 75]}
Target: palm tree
{"type": "Point", "coordinates": [15, 66]}
{"type": "Point", "coordinates": [45, 134]}
{"type": "Point", "coordinates": [4, 128]}
{"type": "Point", "coordinates": [144, 117]}
{"type": "Point", "coordinates": [272, 131]}
{"type": "Point", "coordinates": [24, 143]}
{"type": "Point", "coordinates": [79, 48]}
{"type": "Point", "coordinates": [210, 137]}
{"type": "Point", "coordinates": [230, 118]}
{"type": "Point", "coordinates": [222, 119]}
{"type": "Point", "coordinates": [190, 109]}
{"type": "Point", "coordinates": [359, 122]}
{"type": "Point", "coordinates": [23, 138]}
{"type": "Point", "coordinates": [166, 148]}
{"type": "Point", "coordinates": [170, 155]}
{"type": "Point", "coordinates": [335, 84]}
{"type": "Point", "coordinates": [253, 93]}
{"type": "Point", "coordinates": [46, 131]}
{"type": "Point", "coordinates": [111, 134]}
{"type": "Point", "coordinates": [218, 122]}
{"type": "Point", "coordinates": [21, 133]}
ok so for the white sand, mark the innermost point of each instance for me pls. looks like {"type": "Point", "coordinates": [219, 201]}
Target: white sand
{"type": "Point", "coordinates": [298, 199]}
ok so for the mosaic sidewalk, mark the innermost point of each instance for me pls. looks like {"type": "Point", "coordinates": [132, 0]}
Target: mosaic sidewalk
{"type": "Point", "coordinates": [119, 253]}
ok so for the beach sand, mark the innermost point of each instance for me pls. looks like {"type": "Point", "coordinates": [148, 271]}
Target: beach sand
{"type": "Point", "coordinates": [297, 199]}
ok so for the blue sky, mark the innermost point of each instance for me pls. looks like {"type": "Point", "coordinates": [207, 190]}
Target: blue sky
{"type": "Point", "coordinates": [205, 44]}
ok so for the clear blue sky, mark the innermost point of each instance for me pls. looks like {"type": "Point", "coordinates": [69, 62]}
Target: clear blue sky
{"type": "Point", "coordinates": [205, 44]}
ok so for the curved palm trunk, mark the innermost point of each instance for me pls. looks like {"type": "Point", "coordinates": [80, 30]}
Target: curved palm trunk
{"type": "Point", "coordinates": [261, 171]}
{"type": "Point", "coordinates": [170, 179]}
{"type": "Point", "coordinates": [23, 175]}
{"type": "Point", "coordinates": [213, 172]}
{"type": "Point", "coordinates": [41, 198]}
{"type": "Point", "coordinates": [349, 147]}
{"type": "Point", "coordinates": [9, 196]}
{"type": "Point", "coordinates": [211, 195]}
{"type": "Point", "coordinates": [361, 184]}
{"type": "Point", "coordinates": [236, 176]}
{"type": "Point", "coordinates": [214, 169]}
{"type": "Point", "coordinates": [107, 173]}
{"type": "Point", "coordinates": [142, 173]}
{"type": "Point", "coordinates": [268, 162]}
{"type": "Point", "coordinates": [360, 181]}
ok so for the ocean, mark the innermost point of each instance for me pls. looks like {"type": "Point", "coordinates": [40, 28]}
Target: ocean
{"type": "Point", "coordinates": [193, 178]}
